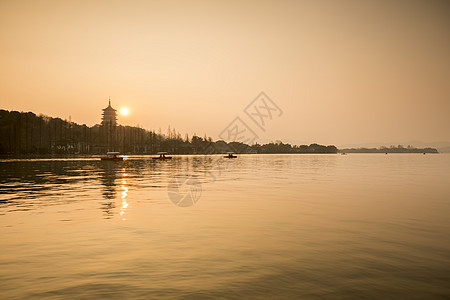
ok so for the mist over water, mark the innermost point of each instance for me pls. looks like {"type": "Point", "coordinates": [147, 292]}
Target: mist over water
{"type": "Point", "coordinates": [264, 226]}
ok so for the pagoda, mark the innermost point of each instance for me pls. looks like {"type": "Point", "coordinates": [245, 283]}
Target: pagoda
{"type": "Point", "coordinates": [109, 117]}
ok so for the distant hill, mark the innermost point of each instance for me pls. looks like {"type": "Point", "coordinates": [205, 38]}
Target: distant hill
{"type": "Point", "coordinates": [444, 149]}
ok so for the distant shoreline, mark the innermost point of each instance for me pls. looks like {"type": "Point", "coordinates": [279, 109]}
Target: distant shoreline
{"type": "Point", "coordinates": [25, 134]}
{"type": "Point", "coordinates": [134, 156]}
{"type": "Point", "coordinates": [389, 150]}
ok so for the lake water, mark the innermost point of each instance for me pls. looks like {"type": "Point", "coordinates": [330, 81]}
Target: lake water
{"type": "Point", "coordinates": [258, 226]}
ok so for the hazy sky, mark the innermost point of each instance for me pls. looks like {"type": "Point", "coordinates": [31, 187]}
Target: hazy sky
{"type": "Point", "coordinates": [341, 71]}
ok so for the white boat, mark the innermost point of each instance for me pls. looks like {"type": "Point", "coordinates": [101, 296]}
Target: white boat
{"type": "Point", "coordinates": [114, 156]}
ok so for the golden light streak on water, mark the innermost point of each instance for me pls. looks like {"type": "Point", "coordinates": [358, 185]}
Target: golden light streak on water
{"type": "Point", "coordinates": [124, 194]}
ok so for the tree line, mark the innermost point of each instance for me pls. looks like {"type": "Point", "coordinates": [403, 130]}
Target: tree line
{"type": "Point", "coordinates": [28, 133]}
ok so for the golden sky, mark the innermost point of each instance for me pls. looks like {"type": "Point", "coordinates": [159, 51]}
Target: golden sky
{"type": "Point", "coordinates": [341, 71]}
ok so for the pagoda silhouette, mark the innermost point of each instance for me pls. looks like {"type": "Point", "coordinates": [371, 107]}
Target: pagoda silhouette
{"type": "Point", "coordinates": [109, 124]}
{"type": "Point", "coordinates": [109, 117]}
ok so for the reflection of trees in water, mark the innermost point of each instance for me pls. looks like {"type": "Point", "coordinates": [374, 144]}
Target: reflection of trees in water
{"type": "Point", "coordinates": [108, 209]}
{"type": "Point", "coordinates": [37, 183]}
{"type": "Point", "coordinates": [45, 171]}
{"type": "Point", "coordinates": [27, 180]}
{"type": "Point", "coordinates": [111, 171]}
{"type": "Point", "coordinates": [115, 183]}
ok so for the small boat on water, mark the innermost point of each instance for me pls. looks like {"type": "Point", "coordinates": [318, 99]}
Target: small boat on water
{"type": "Point", "coordinates": [162, 155]}
{"type": "Point", "coordinates": [113, 156]}
{"type": "Point", "coordinates": [230, 155]}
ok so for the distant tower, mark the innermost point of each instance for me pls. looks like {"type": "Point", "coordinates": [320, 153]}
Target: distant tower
{"type": "Point", "coordinates": [109, 124]}
{"type": "Point", "coordinates": [109, 118]}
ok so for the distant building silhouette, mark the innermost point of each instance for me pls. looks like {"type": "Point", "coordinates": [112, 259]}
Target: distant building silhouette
{"type": "Point", "coordinates": [109, 117]}
{"type": "Point", "coordinates": [109, 124]}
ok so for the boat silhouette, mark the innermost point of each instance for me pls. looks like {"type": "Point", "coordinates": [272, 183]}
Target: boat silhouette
{"type": "Point", "coordinates": [162, 155]}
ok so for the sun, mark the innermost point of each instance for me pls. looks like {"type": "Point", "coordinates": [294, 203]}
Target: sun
{"type": "Point", "coordinates": [124, 111]}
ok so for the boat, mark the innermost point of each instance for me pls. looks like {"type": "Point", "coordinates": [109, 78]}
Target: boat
{"type": "Point", "coordinates": [162, 155]}
{"type": "Point", "coordinates": [230, 155]}
{"type": "Point", "coordinates": [113, 156]}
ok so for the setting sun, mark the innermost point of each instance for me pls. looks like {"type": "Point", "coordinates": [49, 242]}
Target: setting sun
{"type": "Point", "coordinates": [124, 111]}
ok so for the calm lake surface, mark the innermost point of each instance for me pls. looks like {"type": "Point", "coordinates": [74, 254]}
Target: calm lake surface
{"type": "Point", "coordinates": [258, 226]}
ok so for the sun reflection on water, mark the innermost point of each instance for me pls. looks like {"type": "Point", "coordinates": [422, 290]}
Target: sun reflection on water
{"type": "Point", "coordinates": [124, 194]}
